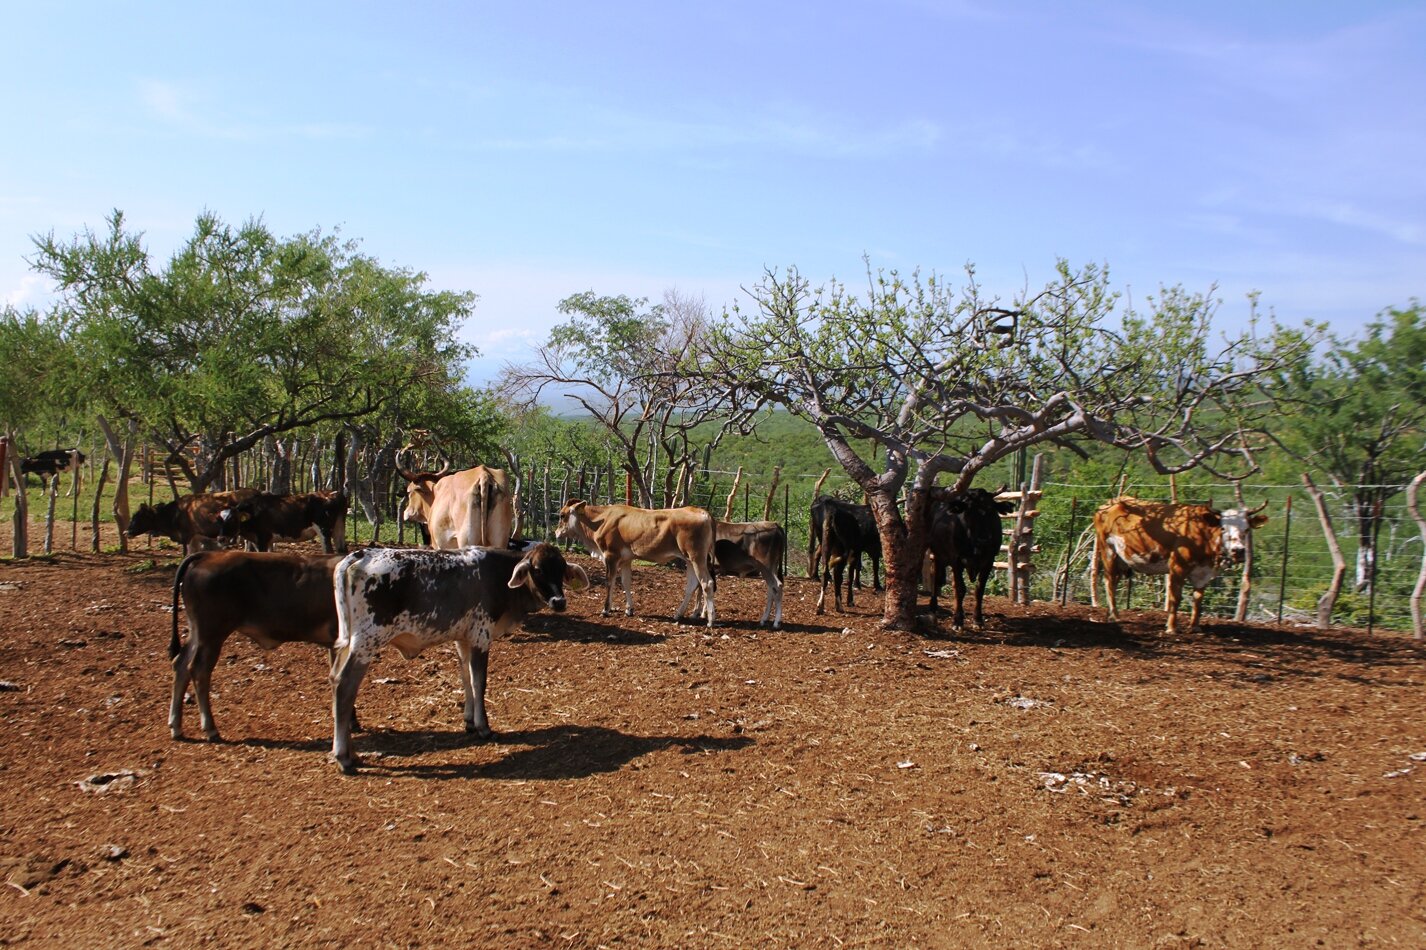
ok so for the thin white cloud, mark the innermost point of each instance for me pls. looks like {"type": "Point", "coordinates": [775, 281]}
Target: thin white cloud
{"type": "Point", "coordinates": [188, 112]}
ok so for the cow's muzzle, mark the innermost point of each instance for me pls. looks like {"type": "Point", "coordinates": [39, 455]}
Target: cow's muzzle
{"type": "Point", "coordinates": [557, 604]}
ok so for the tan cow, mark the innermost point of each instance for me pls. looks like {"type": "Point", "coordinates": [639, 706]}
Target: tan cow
{"type": "Point", "coordinates": [1187, 542]}
{"type": "Point", "coordinates": [460, 509]}
{"type": "Point", "coordinates": [620, 533]}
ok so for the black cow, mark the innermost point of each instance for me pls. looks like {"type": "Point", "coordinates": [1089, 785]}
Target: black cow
{"type": "Point", "coordinates": [867, 538]}
{"type": "Point", "coordinates": [842, 542]}
{"type": "Point", "coordinates": [52, 463]}
{"type": "Point", "coordinates": [265, 517]}
{"type": "Point", "coordinates": [412, 599]}
{"type": "Point", "coordinates": [271, 598]}
{"type": "Point", "coordinates": [964, 535]}
{"type": "Point", "coordinates": [191, 520]}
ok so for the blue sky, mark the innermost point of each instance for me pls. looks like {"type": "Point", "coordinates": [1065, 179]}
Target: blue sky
{"type": "Point", "coordinates": [530, 151]}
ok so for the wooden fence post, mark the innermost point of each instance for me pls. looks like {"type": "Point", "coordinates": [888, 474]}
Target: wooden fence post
{"type": "Point", "coordinates": [1417, 626]}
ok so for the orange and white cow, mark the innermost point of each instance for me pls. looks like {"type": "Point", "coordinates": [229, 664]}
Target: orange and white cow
{"type": "Point", "coordinates": [1187, 542]}
{"type": "Point", "coordinates": [620, 533]}
{"type": "Point", "coordinates": [461, 509]}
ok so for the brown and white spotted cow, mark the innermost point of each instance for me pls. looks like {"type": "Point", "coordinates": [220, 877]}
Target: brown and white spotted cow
{"type": "Point", "coordinates": [412, 599]}
{"type": "Point", "coordinates": [1187, 542]}
{"type": "Point", "coordinates": [620, 533]}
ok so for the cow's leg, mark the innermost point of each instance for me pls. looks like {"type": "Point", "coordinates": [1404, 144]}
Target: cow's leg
{"type": "Point", "coordinates": [205, 657]}
{"type": "Point", "coordinates": [182, 672]}
{"type": "Point", "coordinates": [980, 583]}
{"type": "Point", "coordinates": [332, 665]}
{"type": "Point", "coordinates": [822, 593]}
{"type": "Point", "coordinates": [476, 663]}
{"type": "Point", "coordinates": [1111, 580]}
{"type": "Point", "coordinates": [710, 587]}
{"type": "Point", "coordinates": [876, 572]}
{"type": "Point", "coordinates": [626, 577]}
{"type": "Point", "coordinates": [1197, 606]}
{"type": "Point", "coordinates": [958, 581]}
{"type": "Point", "coordinates": [346, 680]}
{"type": "Point", "coordinates": [1175, 595]}
{"type": "Point", "coordinates": [690, 584]}
{"type": "Point", "coordinates": [938, 580]}
{"type": "Point", "coordinates": [853, 564]}
{"type": "Point", "coordinates": [611, 573]}
{"type": "Point", "coordinates": [840, 574]}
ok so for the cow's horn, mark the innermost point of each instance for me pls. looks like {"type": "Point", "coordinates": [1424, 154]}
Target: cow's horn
{"type": "Point", "coordinates": [1253, 511]}
{"type": "Point", "coordinates": [407, 474]}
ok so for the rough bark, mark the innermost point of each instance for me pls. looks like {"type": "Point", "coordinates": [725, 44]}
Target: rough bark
{"type": "Point", "coordinates": [1339, 563]}
{"type": "Point", "coordinates": [1417, 625]}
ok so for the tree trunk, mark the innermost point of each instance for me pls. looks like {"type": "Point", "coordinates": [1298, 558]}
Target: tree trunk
{"type": "Point", "coordinates": [1339, 564]}
{"type": "Point", "coordinates": [123, 453]}
{"type": "Point", "coordinates": [98, 498]}
{"type": "Point", "coordinates": [21, 519]}
{"type": "Point", "coordinates": [1418, 627]}
{"type": "Point", "coordinates": [903, 546]}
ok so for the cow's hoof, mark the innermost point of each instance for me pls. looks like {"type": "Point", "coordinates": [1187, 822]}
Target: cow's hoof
{"type": "Point", "coordinates": [347, 766]}
{"type": "Point", "coordinates": [213, 736]}
{"type": "Point", "coordinates": [483, 733]}
{"type": "Point", "coordinates": [629, 612]}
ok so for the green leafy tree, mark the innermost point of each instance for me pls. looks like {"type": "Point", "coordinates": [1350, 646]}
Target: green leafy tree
{"type": "Point", "coordinates": [1358, 415]}
{"type": "Point", "coordinates": [913, 379]}
{"type": "Point", "coordinates": [242, 336]}
{"type": "Point", "coordinates": [620, 361]}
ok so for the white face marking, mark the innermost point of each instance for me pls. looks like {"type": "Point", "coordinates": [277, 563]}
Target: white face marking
{"type": "Point", "coordinates": [1235, 534]}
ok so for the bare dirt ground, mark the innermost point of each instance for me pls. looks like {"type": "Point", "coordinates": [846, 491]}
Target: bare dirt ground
{"type": "Point", "coordinates": [1050, 781]}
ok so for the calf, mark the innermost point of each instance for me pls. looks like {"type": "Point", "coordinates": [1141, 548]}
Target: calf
{"type": "Point", "coordinates": [753, 549]}
{"type": "Point", "coordinates": [840, 545]}
{"type": "Point", "coordinates": [264, 518]}
{"type": "Point", "coordinates": [866, 536]}
{"type": "Point", "coordinates": [191, 520]}
{"type": "Point", "coordinates": [412, 599]}
{"type": "Point", "coordinates": [620, 533]}
{"type": "Point", "coordinates": [52, 463]}
{"type": "Point", "coordinates": [964, 536]}
{"type": "Point", "coordinates": [271, 598]}
{"type": "Point", "coordinates": [1187, 542]}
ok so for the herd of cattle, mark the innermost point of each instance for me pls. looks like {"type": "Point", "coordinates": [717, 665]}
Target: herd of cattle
{"type": "Point", "coordinates": [477, 581]}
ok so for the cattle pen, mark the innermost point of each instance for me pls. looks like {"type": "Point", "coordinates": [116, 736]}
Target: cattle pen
{"type": "Point", "coordinates": [1293, 563]}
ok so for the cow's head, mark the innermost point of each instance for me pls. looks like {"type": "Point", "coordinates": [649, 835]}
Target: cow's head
{"type": "Point", "coordinates": [420, 491]}
{"type": "Point", "coordinates": [544, 572]}
{"type": "Point", "coordinates": [569, 525]}
{"type": "Point", "coordinates": [1235, 525]}
{"type": "Point", "coordinates": [152, 519]}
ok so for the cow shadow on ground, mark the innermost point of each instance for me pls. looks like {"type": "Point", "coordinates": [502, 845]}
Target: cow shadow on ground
{"type": "Point", "coordinates": [550, 753]}
{"type": "Point", "coordinates": [547, 628]}
{"type": "Point", "coordinates": [1256, 653]}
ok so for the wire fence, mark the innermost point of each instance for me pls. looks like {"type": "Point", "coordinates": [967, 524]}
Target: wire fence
{"type": "Point", "coordinates": [1292, 562]}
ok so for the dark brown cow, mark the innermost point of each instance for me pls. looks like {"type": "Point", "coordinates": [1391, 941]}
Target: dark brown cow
{"type": "Point", "coordinates": [620, 533]}
{"type": "Point", "coordinates": [964, 538]}
{"type": "Point", "coordinates": [1187, 542]}
{"type": "Point", "coordinates": [265, 518]}
{"type": "Point", "coordinates": [866, 537]}
{"type": "Point", "coordinates": [753, 549]}
{"type": "Point", "coordinates": [191, 520]}
{"type": "Point", "coordinates": [414, 598]}
{"type": "Point", "coordinates": [271, 598]}
{"type": "Point", "coordinates": [841, 545]}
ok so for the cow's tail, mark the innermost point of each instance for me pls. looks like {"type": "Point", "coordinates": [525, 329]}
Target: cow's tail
{"type": "Point", "coordinates": [780, 554]}
{"type": "Point", "coordinates": [175, 645]}
{"type": "Point", "coordinates": [339, 583]}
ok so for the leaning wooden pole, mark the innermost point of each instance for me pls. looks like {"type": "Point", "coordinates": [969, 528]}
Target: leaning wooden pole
{"type": "Point", "coordinates": [772, 492]}
{"type": "Point", "coordinates": [732, 495]}
{"type": "Point", "coordinates": [1417, 626]}
{"type": "Point", "coordinates": [1339, 563]}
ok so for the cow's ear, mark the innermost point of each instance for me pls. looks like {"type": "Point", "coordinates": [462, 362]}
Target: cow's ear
{"type": "Point", "coordinates": [521, 576]}
{"type": "Point", "coordinates": [1213, 518]}
{"type": "Point", "coordinates": [1005, 507]}
{"type": "Point", "coordinates": [575, 578]}
{"type": "Point", "coordinates": [574, 506]}
{"type": "Point", "coordinates": [1257, 521]}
